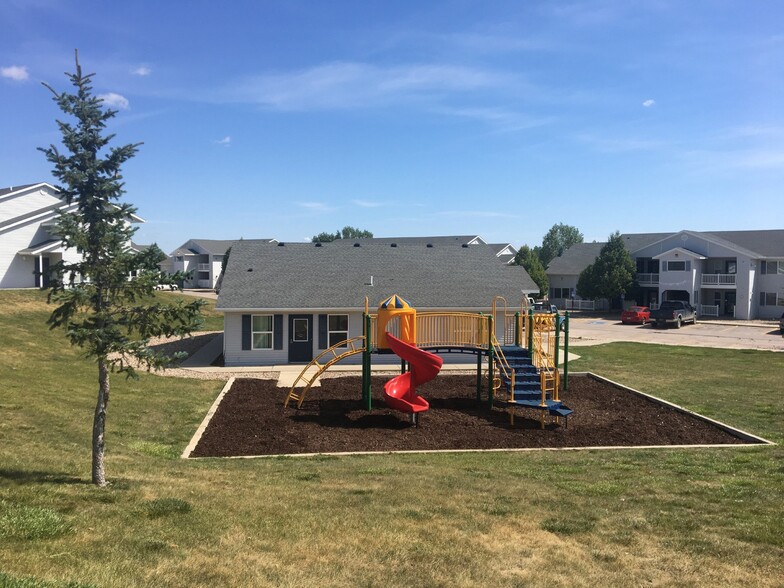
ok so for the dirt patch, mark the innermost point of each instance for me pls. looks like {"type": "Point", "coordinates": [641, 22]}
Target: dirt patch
{"type": "Point", "coordinates": [251, 420]}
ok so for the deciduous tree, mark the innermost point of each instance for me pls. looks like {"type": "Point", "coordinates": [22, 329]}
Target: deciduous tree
{"type": "Point", "coordinates": [557, 240]}
{"type": "Point", "coordinates": [528, 258]}
{"type": "Point", "coordinates": [346, 232]}
{"type": "Point", "coordinates": [102, 309]}
{"type": "Point", "coordinates": [611, 275]}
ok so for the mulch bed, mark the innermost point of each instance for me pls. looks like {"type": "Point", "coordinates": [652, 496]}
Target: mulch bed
{"type": "Point", "coordinates": [251, 420]}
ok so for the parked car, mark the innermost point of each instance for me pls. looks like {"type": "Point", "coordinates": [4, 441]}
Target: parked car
{"type": "Point", "coordinates": [636, 314]}
{"type": "Point", "coordinates": [544, 307]}
{"type": "Point", "coordinates": [674, 312]}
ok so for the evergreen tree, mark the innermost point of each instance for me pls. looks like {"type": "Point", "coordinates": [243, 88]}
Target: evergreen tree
{"type": "Point", "coordinates": [611, 275]}
{"type": "Point", "coordinates": [528, 258]}
{"type": "Point", "coordinates": [102, 310]}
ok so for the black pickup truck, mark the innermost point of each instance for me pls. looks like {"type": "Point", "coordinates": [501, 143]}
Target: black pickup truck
{"type": "Point", "coordinates": [674, 312]}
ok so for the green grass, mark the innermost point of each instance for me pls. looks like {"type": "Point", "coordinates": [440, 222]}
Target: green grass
{"type": "Point", "coordinates": [695, 517]}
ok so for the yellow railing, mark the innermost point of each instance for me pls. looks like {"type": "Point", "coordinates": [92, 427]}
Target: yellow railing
{"type": "Point", "coordinates": [321, 362]}
{"type": "Point", "coordinates": [452, 329]}
{"type": "Point", "coordinates": [543, 356]}
{"type": "Point", "coordinates": [504, 366]}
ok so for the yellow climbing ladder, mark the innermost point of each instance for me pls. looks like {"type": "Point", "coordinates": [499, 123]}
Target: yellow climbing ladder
{"type": "Point", "coordinates": [322, 362]}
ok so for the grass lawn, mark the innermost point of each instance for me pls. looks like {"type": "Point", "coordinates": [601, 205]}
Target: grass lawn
{"type": "Point", "coordinates": [697, 517]}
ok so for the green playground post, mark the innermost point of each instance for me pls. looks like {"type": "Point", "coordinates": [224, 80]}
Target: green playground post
{"type": "Point", "coordinates": [518, 335]}
{"type": "Point", "coordinates": [566, 351]}
{"type": "Point", "coordinates": [366, 371]}
{"type": "Point", "coordinates": [479, 377]}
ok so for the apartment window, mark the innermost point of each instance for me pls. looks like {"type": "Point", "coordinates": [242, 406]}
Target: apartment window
{"type": "Point", "coordinates": [678, 266]}
{"type": "Point", "coordinates": [337, 328]}
{"type": "Point", "coordinates": [772, 267]}
{"type": "Point", "coordinates": [767, 299]}
{"type": "Point", "coordinates": [559, 292]}
{"type": "Point", "coordinates": [262, 331]}
{"type": "Point", "coordinates": [179, 258]}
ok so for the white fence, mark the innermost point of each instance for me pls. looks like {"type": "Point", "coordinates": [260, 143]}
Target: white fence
{"type": "Point", "coordinates": [579, 304]}
{"type": "Point", "coordinates": [709, 310]}
{"type": "Point", "coordinates": [718, 279]}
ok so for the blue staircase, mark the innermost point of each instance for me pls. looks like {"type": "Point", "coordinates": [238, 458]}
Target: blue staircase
{"type": "Point", "coordinates": [527, 391]}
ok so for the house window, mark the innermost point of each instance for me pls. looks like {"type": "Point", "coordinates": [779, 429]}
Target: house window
{"type": "Point", "coordinates": [337, 328]}
{"type": "Point", "coordinates": [179, 258]}
{"type": "Point", "coordinates": [767, 299]}
{"type": "Point", "coordinates": [772, 267]}
{"type": "Point", "coordinates": [261, 331]}
{"type": "Point", "coordinates": [676, 266]}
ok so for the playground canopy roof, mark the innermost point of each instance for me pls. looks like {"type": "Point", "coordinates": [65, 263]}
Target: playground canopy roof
{"type": "Point", "coordinates": [291, 276]}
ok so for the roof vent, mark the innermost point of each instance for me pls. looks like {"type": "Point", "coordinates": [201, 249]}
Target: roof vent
{"type": "Point", "coordinates": [464, 245]}
{"type": "Point", "coordinates": [370, 283]}
{"type": "Point", "coordinates": [318, 244]}
{"type": "Point", "coordinates": [430, 245]}
{"type": "Point", "coordinates": [281, 244]}
{"type": "Point", "coordinates": [357, 245]}
{"type": "Point", "coordinates": [393, 244]}
{"type": "Point", "coordinates": [250, 269]}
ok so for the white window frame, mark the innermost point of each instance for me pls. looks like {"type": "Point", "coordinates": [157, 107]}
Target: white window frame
{"type": "Point", "coordinates": [254, 332]}
{"type": "Point", "coordinates": [673, 261]}
{"type": "Point", "coordinates": [330, 331]}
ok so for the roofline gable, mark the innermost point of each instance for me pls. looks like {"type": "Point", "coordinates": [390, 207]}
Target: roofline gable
{"type": "Point", "coordinates": [708, 237]}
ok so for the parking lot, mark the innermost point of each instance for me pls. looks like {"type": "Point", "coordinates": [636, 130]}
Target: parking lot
{"type": "Point", "coordinates": [724, 334]}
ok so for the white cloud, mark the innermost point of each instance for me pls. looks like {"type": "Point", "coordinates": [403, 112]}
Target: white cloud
{"type": "Point", "coordinates": [315, 206]}
{"type": "Point", "coordinates": [142, 70]}
{"type": "Point", "coordinates": [226, 141]}
{"type": "Point", "coordinates": [366, 203]}
{"type": "Point", "coordinates": [115, 100]}
{"type": "Point", "coordinates": [649, 102]}
{"type": "Point", "coordinates": [501, 119]}
{"type": "Point", "coordinates": [350, 85]}
{"type": "Point", "coordinates": [18, 73]}
{"type": "Point", "coordinates": [619, 144]}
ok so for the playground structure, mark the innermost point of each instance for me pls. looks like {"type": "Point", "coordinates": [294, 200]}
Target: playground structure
{"type": "Point", "coordinates": [517, 355]}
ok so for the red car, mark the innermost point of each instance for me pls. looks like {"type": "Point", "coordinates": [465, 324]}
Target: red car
{"type": "Point", "coordinates": [636, 314]}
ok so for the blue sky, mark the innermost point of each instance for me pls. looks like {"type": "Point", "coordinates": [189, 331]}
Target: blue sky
{"type": "Point", "coordinates": [285, 118]}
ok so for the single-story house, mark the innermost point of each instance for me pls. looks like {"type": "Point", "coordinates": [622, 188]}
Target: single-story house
{"type": "Point", "coordinates": [724, 273]}
{"type": "Point", "coordinates": [285, 302]}
{"type": "Point", "coordinates": [28, 246]}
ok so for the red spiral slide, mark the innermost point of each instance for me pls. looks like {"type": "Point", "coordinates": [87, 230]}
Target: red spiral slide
{"type": "Point", "coordinates": [400, 392]}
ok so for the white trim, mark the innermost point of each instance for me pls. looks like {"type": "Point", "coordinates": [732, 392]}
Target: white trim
{"type": "Point", "coordinates": [679, 250]}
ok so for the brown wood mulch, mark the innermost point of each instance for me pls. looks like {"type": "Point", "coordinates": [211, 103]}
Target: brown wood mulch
{"type": "Point", "coordinates": [251, 420]}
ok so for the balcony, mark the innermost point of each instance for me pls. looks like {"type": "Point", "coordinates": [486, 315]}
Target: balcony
{"type": "Point", "coordinates": [204, 267]}
{"type": "Point", "coordinates": [718, 280]}
{"type": "Point", "coordinates": [648, 279]}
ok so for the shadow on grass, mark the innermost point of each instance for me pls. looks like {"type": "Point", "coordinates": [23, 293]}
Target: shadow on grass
{"type": "Point", "coordinates": [36, 477]}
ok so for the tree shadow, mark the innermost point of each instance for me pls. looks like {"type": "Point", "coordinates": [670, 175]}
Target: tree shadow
{"type": "Point", "coordinates": [39, 477]}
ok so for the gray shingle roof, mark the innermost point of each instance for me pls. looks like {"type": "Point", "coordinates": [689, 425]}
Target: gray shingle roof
{"type": "Point", "coordinates": [434, 240]}
{"type": "Point", "coordinates": [211, 246]}
{"type": "Point", "coordinates": [765, 243]}
{"type": "Point", "coordinates": [768, 243]}
{"type": "Point", "coordinates": [4, 191]}
{"type": "Point", "coordinates": [264, 275]}
{"type": "Point", "coordinates": [575, 259]}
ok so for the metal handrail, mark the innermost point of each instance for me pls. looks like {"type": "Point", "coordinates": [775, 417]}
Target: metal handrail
{"type": "Point", "coordinates": [503, 363]}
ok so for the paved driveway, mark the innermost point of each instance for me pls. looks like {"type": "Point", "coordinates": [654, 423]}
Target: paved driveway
{"type": "Point", "coordinates": [592, 331]}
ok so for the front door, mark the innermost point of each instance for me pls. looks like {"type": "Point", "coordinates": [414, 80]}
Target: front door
{"type": "Point", "coordinates": [300, 338]}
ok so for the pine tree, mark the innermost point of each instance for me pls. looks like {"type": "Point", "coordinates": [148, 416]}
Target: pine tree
{"type": "Point", "coordinates": [110, 315]}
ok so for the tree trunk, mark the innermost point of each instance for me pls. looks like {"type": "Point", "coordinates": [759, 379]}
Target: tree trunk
{"type": "Point", "coordinates": [99, 424]}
